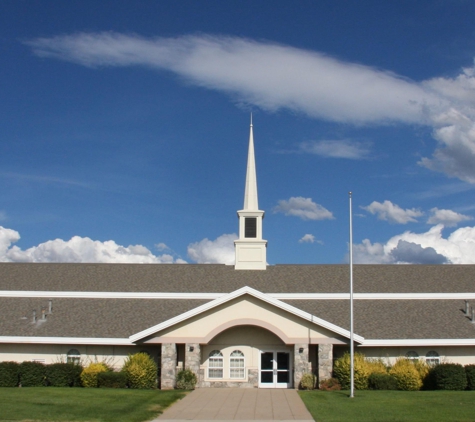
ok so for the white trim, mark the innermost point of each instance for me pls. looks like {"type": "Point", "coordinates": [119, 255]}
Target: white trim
{"type": "Point", "coordinates": [67, 340]}
{"type": "Point", "coordinates": [212, 296]}
{"type": "Point", "coordinates": [237, 293]}
{"type": "Point", "coordinates": [419, 342]}
{"type": "Point", "coordinates": [108, 295]}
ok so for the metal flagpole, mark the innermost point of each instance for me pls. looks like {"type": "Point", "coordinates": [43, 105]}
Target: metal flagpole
{"type": "Point", "coordinates": [352, 349]}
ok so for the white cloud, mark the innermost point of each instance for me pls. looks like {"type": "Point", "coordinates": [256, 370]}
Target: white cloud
{"type": "Point", "coordinates": [337, 149]}
{"type": "Point", "coordinates": [448, 218]}
{"type": "Point", "coordinates": [218, 251]}
{"type": "Point", "coordinates": [269, 75]}
{"type": "Point", "coordinates": [303, 208]}
{"type": "Point", "coordinates": [308, 238]}
{"type": "Point", "coordinates": [77, 249]}
{"type": "Point", "coordinates": [161, 247]}
{"type": "Point", "coordinates": [393, 213]}
{"type": "Point", "coordinates": [273, 77]}
{"type": "Point", "coordinates": [429, 248]}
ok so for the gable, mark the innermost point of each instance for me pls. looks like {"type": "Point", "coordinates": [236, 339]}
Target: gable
{"type": "Point", "coordinates": [245, 307]}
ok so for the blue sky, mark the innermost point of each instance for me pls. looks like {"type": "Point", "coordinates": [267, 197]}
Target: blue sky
{"type": "Point", "coordinates": [125, 127]}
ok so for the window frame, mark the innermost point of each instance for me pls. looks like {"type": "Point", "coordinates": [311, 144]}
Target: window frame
{"type": "Point", "coordinates": [73, 356]}
{"type": "Point", "coordinates": [242, 367]}
{"type": "Point", "coordinates": [432, 358]}
{"type": "Point", "coordinates": [214, 358]}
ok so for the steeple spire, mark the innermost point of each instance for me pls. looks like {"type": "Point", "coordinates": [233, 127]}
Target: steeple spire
{"type": "Point", "coordinates": [250, 193]}
{"type": "Point", "coordinates": [250, 248]}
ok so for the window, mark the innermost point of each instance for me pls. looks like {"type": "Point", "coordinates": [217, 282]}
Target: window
{"type": "Point", "coordinates": [215, 366]}
{"type": "Point", "coordinates": [412, 355]}
{"type": "Point", "coordinates": [73, 356]}
{"type": "Point", "coordinates": [250, 227]}
{"type": "Point", "coordinates": [432, 358]}
{"type": "Point", "coordinates": [236, 365]}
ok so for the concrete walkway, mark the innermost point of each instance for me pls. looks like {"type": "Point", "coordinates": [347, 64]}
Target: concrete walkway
{"type": "Point", "coordinates": [238, 404]}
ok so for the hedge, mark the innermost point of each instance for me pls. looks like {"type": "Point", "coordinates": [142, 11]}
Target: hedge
{"type": "Point", "coordinates": [9, 374]}
{"type": "Point", "coordinates": [63, 375]}
{"type": "Point", "coordinates": [32, 374]}
{"type": "Point", "coordinates": [111, 380]}
{"type": "Point", "coordinates": [470, 372]}
{"type": "Point", "coordinates": [449, 376]}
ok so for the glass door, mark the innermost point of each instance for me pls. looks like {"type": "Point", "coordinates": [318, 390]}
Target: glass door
{"type": "Point", "coordinates": [275, 370]}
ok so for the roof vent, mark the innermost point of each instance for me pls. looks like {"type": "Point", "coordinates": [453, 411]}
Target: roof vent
{"type": "Point", "coordinates": [467, 308]}
{"type": "Point", "coordinates": [34, 316]}
{"type": "Point", "coordinates": [50, 306]}
{"type": "Point", "coordinates": [473, 316]}
{"type": "Point", "coordinates": [43, 313]}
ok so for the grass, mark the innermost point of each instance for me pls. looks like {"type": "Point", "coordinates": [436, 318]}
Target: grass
{"type": "Point", "coordinates": [83, 404]}
{"type": "Point", "coordinates": [391, 406]}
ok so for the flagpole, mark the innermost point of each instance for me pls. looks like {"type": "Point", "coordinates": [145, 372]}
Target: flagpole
{"type": "Point", "coordinates": [352, 349]}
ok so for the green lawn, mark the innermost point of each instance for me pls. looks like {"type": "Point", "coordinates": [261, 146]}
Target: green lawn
{"type": "Point", "coordinates": [83, 404]}
{"type": "Point", "coordinates": [391, 406]}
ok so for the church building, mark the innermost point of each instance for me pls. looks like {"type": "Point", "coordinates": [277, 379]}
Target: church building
{"type": "Point", "coordinates": [250, 325]}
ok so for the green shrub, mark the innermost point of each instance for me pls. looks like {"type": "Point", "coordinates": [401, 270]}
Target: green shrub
{"type": "Point", "coordinates": [141, 371]}
{"type": "Point", "coordinates": [362, 370]}
{"type": "Point", "coordinates": [63, 374]}
{"type": "Point", "coordinates": [89, 374]}
{"type": "Point", "coordinates": [111, 379]}
{"type": "Point", "coordinates": [9, 374]}
{"type": "Point", "coordinates": [186, 380]}
{"type": "Point", "coordinates": [449, 376]}
{"type": "Point", "coordinates": [406, 374]}
{"type": "Point", "coordinates": [470, 372]}
{"type": "Point", "coordinates": [330, 384]}
{"type": "Point", "coordinates": [378, 381]}
{"type": "Point", "coordinates": [32, 374]}
{"type": "Point", "coordinates": [308, 381]}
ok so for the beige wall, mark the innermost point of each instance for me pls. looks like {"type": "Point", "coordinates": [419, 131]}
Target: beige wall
{"type": "Point", "coordinates": [51, 353]}
{"type": "Point", "coordinates": [454, 354]}
{"type": "Point", "coordinates": [242, 311]}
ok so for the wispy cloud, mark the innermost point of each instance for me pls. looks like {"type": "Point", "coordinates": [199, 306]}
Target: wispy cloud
{"type": "Point", "coordinates": [392, 212]}
{"type": "Point", "coordinates": [273, 77]}
{"type": "Point", "coordinates": [337, 149]}
{"type": "Point", "coordinates": [307, 238]}
{"type": "Point", "coordinates": [303, 208]}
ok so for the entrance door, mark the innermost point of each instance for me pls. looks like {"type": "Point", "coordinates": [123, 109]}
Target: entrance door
{"type": "Point", "coordinates": [275, 370]}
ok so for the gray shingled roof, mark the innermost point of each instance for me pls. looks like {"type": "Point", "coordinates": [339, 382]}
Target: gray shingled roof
{"type": "Point", "coordinates": [121, 318]}
{"type": "Point", "coordinates": [224, 279]}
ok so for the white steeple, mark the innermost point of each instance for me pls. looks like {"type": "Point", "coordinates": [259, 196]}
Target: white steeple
{"type": "Point", "coordinates": [250, 248]}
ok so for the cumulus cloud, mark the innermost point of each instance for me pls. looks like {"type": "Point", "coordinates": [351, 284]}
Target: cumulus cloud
{"type": "Point", "coordinates": [307, 238]}
{"type": "Point", "coordinates": [448, 218]}
{"type": "Point", "coordinates": [393, 213]}
{"type": "Point", "coordinates": [337, 149]}
{"type": "Point", "coordinates": [416, 248]}
{"type": "Point", "coordinates": [273, 77]}
{"type": "Point", "coordinates": [218, 251]}
{"type": "Point", "coordinates": [303, 208]}
{"type": "Point", "coordinates": [77, 249]}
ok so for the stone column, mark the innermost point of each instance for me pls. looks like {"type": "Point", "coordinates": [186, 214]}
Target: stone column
{"type": "Point", "coordinates": [169, 357]}
{"type": "Point", "coordinates": [193, 359]}
{"type": "Point", "coordinates": [301, 365]}
{"type": "Point", "coordinates": [325, 361]}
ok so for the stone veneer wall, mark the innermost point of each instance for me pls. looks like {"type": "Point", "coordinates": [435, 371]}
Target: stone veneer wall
{"type": "Point", "coordinates": [325, 361]}
{"type": "Point", "coordinates": [193, 359]}
{"type": "Point", "coordinates": [168, 370]}
{"type": "Point", "coordinates": [252, 381]}
{"type": "Point", "coordinates": [301, 363]}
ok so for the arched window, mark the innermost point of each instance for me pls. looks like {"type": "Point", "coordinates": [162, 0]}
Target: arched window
{"type": "Point", "coordinates": [432, 358]}
{"type": "Point", "coordinates": [73, 356]}
{"type": "Point", "coordinates": [215, 364]}
{"type": "Point", "coordinates": [236, 364]}
{"type": "Point", "coordinates": [412, 355]}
